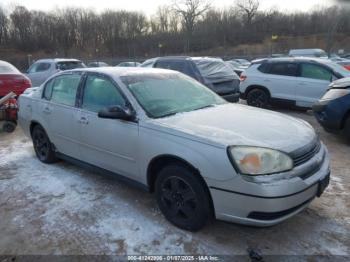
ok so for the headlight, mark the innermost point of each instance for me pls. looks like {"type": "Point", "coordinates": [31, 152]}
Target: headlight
{"type": "Point", "coordinates": [335, 93]}
{"type": "Point", "coordinates": [259, 161]}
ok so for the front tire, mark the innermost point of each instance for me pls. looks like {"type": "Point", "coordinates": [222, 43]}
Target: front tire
{"type": "Point", "coordinates": [182, 197]}
{"type": "Point", "coordinates": [258, 98]}
{"type": "Point", "coordinates": [42, 146]}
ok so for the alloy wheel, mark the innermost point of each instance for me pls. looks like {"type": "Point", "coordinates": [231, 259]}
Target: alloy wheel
{"type": "Point", "coordinates": [179, 198]}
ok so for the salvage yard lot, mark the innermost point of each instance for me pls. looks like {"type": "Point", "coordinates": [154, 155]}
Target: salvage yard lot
{"type": "Point", "coordinates": [64, 209]}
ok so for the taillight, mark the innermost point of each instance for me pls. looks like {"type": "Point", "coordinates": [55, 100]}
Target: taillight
{"type": "Point", "coordinates": [243, 78]}
{"type": "Point", "coordinates": [27, 82]}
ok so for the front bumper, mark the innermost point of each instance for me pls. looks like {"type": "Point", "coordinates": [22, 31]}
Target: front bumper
{"type": "Point", "coordinates": [233, 98]}
{"type": "Point", "coordinates": [329, 114]}
{"type": "Point", "coordinates": [267, 204]}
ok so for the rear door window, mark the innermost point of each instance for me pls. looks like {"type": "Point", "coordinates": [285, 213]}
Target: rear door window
{"type": "Point", "coordinates": [100, 93]}
{"type": "Point", "coordinates": [48, 89]}
{"type": "Point", "coordinates": [64, 89]}
{"type": "Point", "coordinates": [39, 67]}
{"type": "Point", "coordinates": [284, 69]}
{"type": "Point", "coordinates": [68, 65]}
{"type": "Point", "coordinates": [264, 68]}
{"type": "Point", "coordinates": [315, 72]}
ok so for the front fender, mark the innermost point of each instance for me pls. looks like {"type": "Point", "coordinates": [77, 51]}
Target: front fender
{"type": "Point", "coordinates": [212, 162]}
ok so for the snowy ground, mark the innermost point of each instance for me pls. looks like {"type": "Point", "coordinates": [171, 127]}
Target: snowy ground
{"type": "Point", "coordinates": [63, 209]}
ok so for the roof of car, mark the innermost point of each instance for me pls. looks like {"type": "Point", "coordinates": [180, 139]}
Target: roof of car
{"type": "Point", "coordinates": [50, 60]}
{"type": "Point", "coordinates": [172, 57]}
{"type": "Point", "coordinates": [122, 71]}
{"type": "Point", "coordinates": [207, 58]}
{"type": "Point", "coordinates": [291, 59]}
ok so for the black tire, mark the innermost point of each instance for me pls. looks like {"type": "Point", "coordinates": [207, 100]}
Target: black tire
{"type": "Point", "coordinates": [258, 98]}
{"type": "Point", "coordinates": [182, 197]}
{"type": "Point", "coordinates": [9, 127]}
{"type": "Point", "coordinates": [347, 128]}
{"type": "Point", "coordinates": [42, 146]}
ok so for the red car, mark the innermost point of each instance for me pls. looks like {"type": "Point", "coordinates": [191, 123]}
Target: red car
{"type": "Point", "coordinates": [11, 79]}
{"type": "Point", "coordinates": [345, 64]}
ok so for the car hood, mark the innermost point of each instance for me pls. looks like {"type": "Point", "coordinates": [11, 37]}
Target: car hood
{"type": "Point", "coordinates": [341, 83]}
{"type": "Point", "coordinates": [233, 124]}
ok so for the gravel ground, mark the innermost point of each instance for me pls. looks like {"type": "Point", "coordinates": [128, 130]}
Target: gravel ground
{"type": "Point", "coordinates": [63, 209]}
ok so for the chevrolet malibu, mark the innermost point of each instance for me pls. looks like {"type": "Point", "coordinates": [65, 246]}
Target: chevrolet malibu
{"type": "Point", "coordinates": [203, 157]}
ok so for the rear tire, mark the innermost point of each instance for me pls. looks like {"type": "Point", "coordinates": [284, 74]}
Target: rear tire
{"type": "Point", "coordinates": [258, 98]}
{"type": "Point", "coordinates": [182, 197]}
{"type": "Point", "coordinates": [42, 146]}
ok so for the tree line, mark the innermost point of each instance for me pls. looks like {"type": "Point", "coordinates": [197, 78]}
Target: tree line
{"type": "Point", "coordinates": [185, 26]}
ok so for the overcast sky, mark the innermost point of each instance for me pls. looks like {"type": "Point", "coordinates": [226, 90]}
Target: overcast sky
{"type": "Point", "coordinates": [149, 6]}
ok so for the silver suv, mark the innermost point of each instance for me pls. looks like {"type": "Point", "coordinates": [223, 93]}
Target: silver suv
{"type": "Point", "coordinates": [42, 69]}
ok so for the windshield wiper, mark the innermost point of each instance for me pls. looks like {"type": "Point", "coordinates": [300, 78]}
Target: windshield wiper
{"type": "Point", "coordinates": [203, 107]}
{"type": "Point", "coordinates": [169, 114]}
{"type": "Point", "coordinates": [174, 113]}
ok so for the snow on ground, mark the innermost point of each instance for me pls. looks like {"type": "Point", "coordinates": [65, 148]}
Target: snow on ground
{"type": "Point", "coordinates": [64, 209]}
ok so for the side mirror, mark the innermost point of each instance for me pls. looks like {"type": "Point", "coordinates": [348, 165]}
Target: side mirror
{"type": "Point", "coordinates": [117, 112]}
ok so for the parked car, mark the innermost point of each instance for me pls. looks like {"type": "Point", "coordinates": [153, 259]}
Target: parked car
{"type": "Point", "coordinates": [129, 64]}
{"type": "Point", "coordinates": [345, 64]}
{"type": "Point", "coordinates": [44, 68]}
{"type": "Point", "coordinates": [171, 135]}
{"type": "Point", "coordinates": [12, 80]}
{"type": "Point", "coordinates": [315, 53]}
{"type": "Point", "coordinates": [294, 82]}
{"type": "Point", "coordinates": [212, 72]}
{"type": "Point", "coordinates": [335, 58]}
{"type": "Point", "coordinates": [242, 62]}
{"type": "Point", "coordinates": [236, 67]}
{"type": "Point", "coordinates": [333, 109]}
{"type": "Point", "coordinates": [97, 64]}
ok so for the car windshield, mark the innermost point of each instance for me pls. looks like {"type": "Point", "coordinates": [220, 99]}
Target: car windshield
{"type": "Point", "coordinates": [166, 94]}
{"type": "Point", "coordinates": [68, 65]}
{"type": "Point", "coordinates": [6, 68]}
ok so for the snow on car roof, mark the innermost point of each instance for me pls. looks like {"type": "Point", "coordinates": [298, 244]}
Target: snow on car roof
{"type": "Point", "coordinates": [125, 71]}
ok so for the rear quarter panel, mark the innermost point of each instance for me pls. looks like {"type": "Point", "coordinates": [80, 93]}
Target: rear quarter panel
{"type": "Point", "coordinates": [254, 78]}
{"type": "Point", "coordinates": [30, 111]}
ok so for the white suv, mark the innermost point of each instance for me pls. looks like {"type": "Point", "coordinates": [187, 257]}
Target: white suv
{"type": "Point", "coordinates": [296, 82]}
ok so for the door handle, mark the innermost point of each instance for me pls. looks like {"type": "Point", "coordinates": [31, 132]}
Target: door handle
{"type": "Point", "coordinates": [47, 110]}
{"type": "Point", "coordinates": [84, 121]}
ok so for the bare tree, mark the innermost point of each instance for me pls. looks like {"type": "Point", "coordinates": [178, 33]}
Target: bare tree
{"type": "Point", "coordinates": [3, 26]}
{"type": "Point", "coordinates": [249, 9]}
{"type": "Point", "coordinates": [190, 11]}
{"type": "Point", "coordinates": [162, 16]}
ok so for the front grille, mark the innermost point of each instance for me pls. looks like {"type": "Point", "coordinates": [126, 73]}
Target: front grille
{"type": "Point", "coordinates": [305, 155]}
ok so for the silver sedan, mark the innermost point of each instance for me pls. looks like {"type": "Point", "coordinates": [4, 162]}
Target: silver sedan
{"type": "Point", "coordinates": [203, 157]}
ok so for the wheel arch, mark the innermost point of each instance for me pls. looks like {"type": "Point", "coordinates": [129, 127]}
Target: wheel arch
{"type": "Point", "coordinates": [346, 116]}
{"type": "Point", "coordinates": [33, 124]}
{"type": "Point", "coordinates": [159, 162]}
{"type": "Point", "coordinates": [251, 87]}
